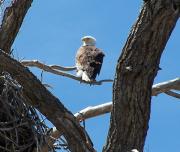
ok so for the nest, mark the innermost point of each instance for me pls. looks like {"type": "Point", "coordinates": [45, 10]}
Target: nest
{"type": "Point", "coordinates": [21, 129]}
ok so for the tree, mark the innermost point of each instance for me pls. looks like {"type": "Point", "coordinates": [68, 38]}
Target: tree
{"type": "Point", "coordinates": [135, 73]}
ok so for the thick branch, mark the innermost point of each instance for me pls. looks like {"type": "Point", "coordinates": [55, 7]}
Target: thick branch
{"type": "Point", "coordinates": [59, 71]}
{"type": "Point", "coordinates": [93, 111]}
{"type": "Point", "coordinates": [38, 96]}
{"type": "Point", "coordinates": [11, 23]}
{"type": "Point", "coordinates": [135, 72]}
{"type": "Point", "coordinates": [163, 87]}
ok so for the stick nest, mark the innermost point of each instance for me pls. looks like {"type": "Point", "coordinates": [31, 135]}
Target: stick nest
{"type": "Point", "coordinates": [20, 126]}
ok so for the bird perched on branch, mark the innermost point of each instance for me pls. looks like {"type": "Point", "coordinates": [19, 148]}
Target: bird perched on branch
{"type": "Point", "coordinates": [89, 59]}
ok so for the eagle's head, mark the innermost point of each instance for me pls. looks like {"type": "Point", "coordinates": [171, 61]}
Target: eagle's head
{"type": "Point", "coordinates": [88, 41]}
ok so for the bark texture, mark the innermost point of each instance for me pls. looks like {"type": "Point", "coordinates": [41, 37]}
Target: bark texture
{"type": "Point", "coordinates": [34, 92]}
{"type": "Point", "coordinates": [39, 97]}
{"type": "Point", "coordinates": [135, 73]}
{"type": "Point", "coordinates": [11, 23]}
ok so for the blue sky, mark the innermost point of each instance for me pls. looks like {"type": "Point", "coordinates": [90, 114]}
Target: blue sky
{"type": "Point", "coordinates": [51, 33]}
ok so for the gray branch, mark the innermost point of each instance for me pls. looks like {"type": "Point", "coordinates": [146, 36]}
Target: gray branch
{"type": "Point", "coordinates": [93, 111]}
{"type": "Point", "coordinates": [50, 106]}
{"type": "Point", "coordinates": [173, 94]}
{"type": "Point", "coordinates": [58, 70]}
{"type": "Point", "coordinates": [166, 86]}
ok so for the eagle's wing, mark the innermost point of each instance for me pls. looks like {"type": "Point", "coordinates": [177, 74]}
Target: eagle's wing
{"type": "Point", "coordinates": [89, 59]}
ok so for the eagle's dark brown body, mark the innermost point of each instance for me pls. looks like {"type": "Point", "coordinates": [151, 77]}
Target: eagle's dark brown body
{"type": "Point", "coordinates": [89, 60]}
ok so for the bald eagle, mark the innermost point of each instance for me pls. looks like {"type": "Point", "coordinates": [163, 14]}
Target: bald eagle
{"type": "Point", "coordinates": [89, 59]}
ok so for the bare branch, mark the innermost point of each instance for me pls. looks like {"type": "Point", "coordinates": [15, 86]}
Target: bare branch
{"type": "Point", "coordinates": [11, 23]}
{"type": "Point", "coordinates": [173, 94]}
{"type": "Point", "coordinates": [163, 87]}
{"type": "Point", "coordinates": [93, 111]}
{"type": "Point", "coordinates": [36, 63]}
{"type": "Point", "coordinates": [101, 109]}
{"type": "Point", "coordinates": [57, 67]}
{"type": "Point", "coordinates": [50, 106]}
{"type": "Point", "coordinates": [166, 86]}
{"type": "Point", "coordinates": [58, 70]}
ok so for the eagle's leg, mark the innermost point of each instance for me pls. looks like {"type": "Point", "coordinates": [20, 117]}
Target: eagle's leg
{"type": "Point", "coordinates": [92, 81]}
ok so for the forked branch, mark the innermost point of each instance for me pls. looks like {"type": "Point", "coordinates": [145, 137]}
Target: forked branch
{"type": "Point", "coordinates": [39, 97]}
{"type": "Point", "coordinates": [58, 70]}
{"type": "Point", "coordinates": [36, 63]}
{"type": "Point", "coordinates": [93, 111]}
{"type": "Point", "coordinates": [163, 87]}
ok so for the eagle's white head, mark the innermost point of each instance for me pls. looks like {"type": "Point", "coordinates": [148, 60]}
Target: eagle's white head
{"type": "Point", "coordinates": [88, 41]}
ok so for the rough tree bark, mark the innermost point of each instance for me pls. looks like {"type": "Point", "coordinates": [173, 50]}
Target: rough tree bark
{"type": "Point", "coordinates": [135, 73]}
{"type": "Point", "coordinates": [35, 93]}
{"type": "Point", "coordinates": [39, 97]}
{"type": "Point", "coordinates": [12, 20]}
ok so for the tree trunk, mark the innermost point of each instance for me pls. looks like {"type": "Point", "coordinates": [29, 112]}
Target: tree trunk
{"type": "Point", "coordinates": [135, 73]}
{"type": "Point", "coordinates": [11, 23]}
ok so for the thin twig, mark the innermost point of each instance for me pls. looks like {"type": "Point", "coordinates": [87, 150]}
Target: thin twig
{"type": "Point", "coordinates": [11, 128]}
{"type": "Point", "coordinates": [8, 150]}
{"type": "Point", "coordinates": [55, 70]}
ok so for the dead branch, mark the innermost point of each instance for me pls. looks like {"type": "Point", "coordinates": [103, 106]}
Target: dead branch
{"type": "Point", "coordinates": [58, 70]}
{"type": "Point", "coordinates": [11, 23]}
{"type": "Point", "coordinates": [36, 63]}
{"type": "Point", "coordinates": [57, 67]}
{"type": "Point", "coordinates": [93, 111]}
{"type": "Point", "coordinates": [166, 86]}
{"type": "Point", "coordinates": [173, 94]}
{"type": "Point", "coordinates": [39, 97]}
{"type": "Point", "coordinates": [20, 127]}
{"type": "Point", "coordinates": [163, 87]}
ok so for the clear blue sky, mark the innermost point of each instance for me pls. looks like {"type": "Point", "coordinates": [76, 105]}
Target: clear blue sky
{"type": "Point", "coordinates": [51, 33]}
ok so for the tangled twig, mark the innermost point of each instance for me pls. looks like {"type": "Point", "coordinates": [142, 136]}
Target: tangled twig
{"type": "Point", "coordinates": [21, 129]}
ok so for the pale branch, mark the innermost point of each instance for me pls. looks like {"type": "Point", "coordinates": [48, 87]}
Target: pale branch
{"type": "Point", "coordinates": [93, 111]}
{"type": "Point", "coordinates": [166, 86]}
{"type": "Point", "coordinates": [57, 67]}
{"type": "Point", "coordinates": [50, 106]}
{"type": "Point", "coordinates": [36, 63]}
{"type": "Point", "coordinates": [86, 113]}
{"type": "Point", "coordinates": [173, 94]}
{"type": "Point", "coordinates": [11, 23]}
{"type": "Point", "coordinates": [58, 70]}
{"type": "Point", "coordinates": [163, 87]}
